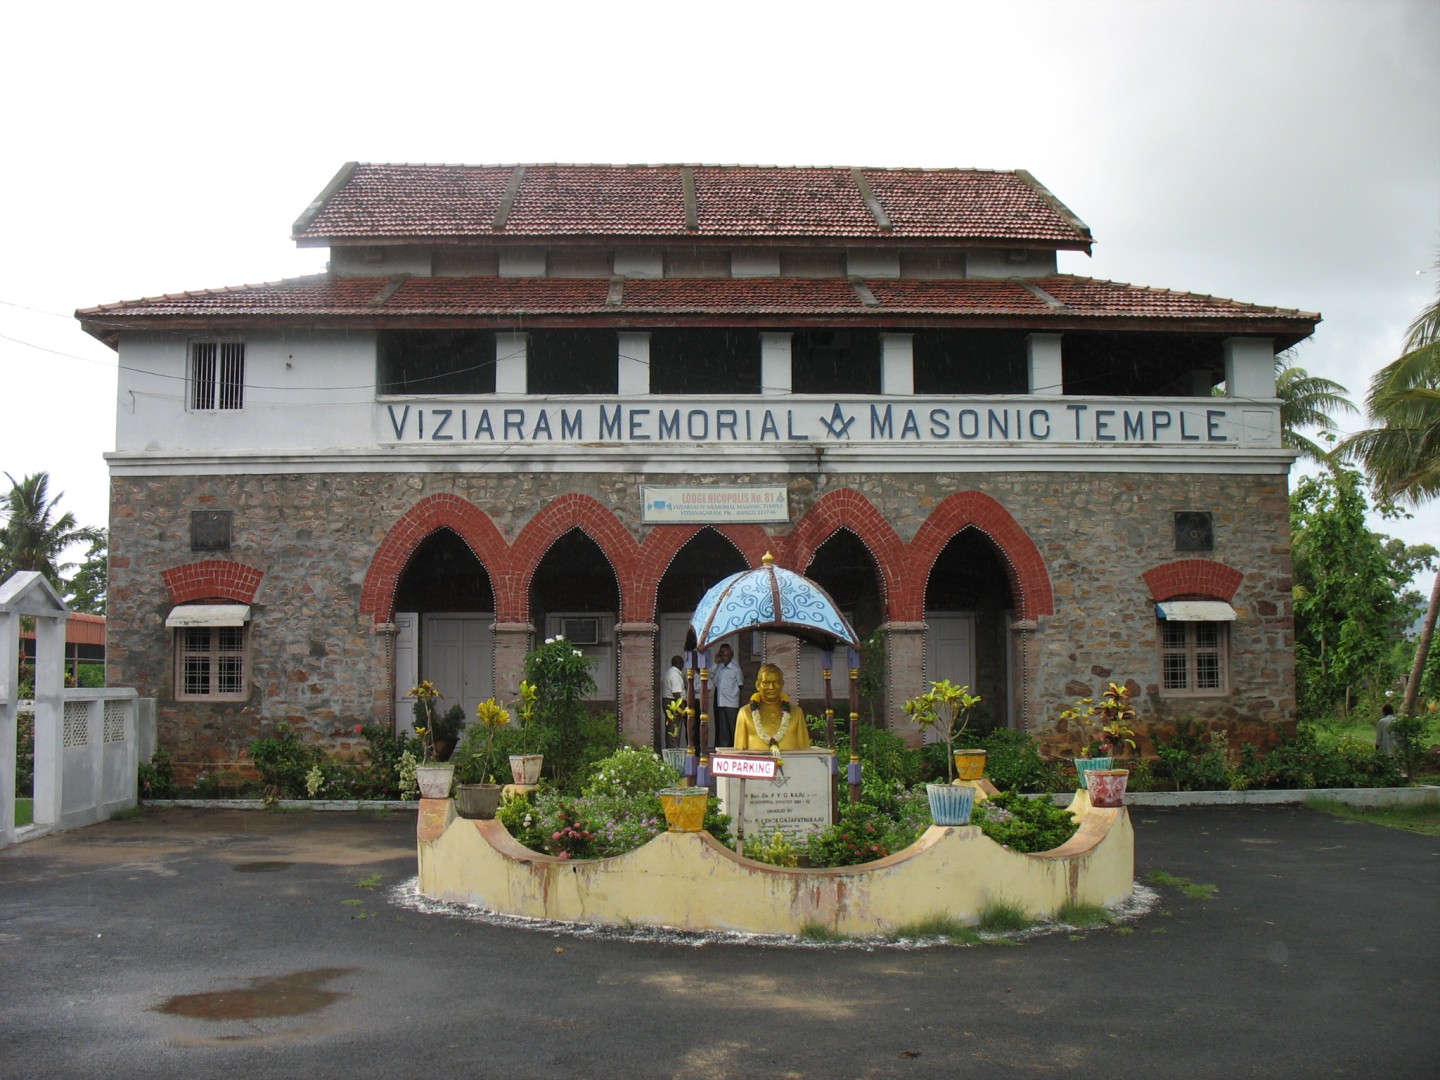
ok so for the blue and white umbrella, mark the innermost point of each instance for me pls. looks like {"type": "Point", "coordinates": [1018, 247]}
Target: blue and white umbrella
{"type": "Point", "coordinates": [770, 598]}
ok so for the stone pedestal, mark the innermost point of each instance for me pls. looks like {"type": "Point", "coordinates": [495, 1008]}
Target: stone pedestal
{"type": "Point", "coordinates": [797, 802]}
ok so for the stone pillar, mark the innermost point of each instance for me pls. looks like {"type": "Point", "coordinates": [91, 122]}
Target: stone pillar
{"type": "Point", "coordinates": [633, 376]}
{"type": "Point", "coordinates": [775, 363]}
{"type": "Point", "coordinates": [1025, 649]}
{"type": "Point", "coordinates": [1046, 372]}
{"type": "Point", "coordinates": [904, 675]}
{"type": "Point", "coordinates": [512, 642]}
{"type": "Point", "coordinates": [510, 359]}
{"type": "Point", "coordinates": [897, 364]}
{"type": "Point", "coordinates": [1249, 367]}
{"type": "Point", "coordinates": [639, 683]}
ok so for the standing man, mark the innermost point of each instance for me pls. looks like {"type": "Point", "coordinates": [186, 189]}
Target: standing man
{"type": "Point", "coordinates": [729, 680]}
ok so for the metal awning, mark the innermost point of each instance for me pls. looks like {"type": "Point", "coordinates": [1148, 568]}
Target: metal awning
{"type": "Point", "coordinates": [209, 615]}
{"type": "Point", "coordinates": [1195, 611]}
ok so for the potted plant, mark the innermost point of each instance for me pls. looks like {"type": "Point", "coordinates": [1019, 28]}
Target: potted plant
{"type": "Point", "coordinates": [478, 794]}
{"type": "Point", "coordinates": [945, 709]}
{"type": "Point", "coordinates": [674, 753]}
{"type": "Point", "coordinates": [1104, 727]}
{"type": "Point", "coordinates": [431, 775]}
{"type": "Point", "coordinates": [525, 765]}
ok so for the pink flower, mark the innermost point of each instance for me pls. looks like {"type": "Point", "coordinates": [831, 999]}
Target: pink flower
{"type": "Point", "coordinates": [359, 728]}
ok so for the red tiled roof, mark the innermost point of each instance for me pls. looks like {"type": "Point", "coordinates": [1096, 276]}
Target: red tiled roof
{"type": "Point", "coordinates": [1059, 299]}
{"type": "Point", "coordinates": [434, 202]}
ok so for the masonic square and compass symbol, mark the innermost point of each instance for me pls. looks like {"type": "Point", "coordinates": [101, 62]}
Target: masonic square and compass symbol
{"type": "Point", "coordinates": [837, 423]}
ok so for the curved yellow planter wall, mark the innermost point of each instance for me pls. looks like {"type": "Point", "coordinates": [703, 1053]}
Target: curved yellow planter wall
{"type": "Point", "coordinates": [691, 882]}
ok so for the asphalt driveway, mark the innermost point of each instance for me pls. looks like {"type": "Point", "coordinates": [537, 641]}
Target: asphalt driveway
{"type": "Point", "coordinates": [260, 944]}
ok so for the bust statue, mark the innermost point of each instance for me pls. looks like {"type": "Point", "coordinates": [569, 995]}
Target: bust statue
{"type": "Point", "coordinates": [768, 722]}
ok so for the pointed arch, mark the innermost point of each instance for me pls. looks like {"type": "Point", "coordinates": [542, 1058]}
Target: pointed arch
{"type": "Point", "coordinates": [848, 509]}
{"type": "Point", "coordinates": [573, 511]}
{"type": "Point", "coordinates": [434, 512]}
{"type": "Point", "coordinates": [666, 541]}
{"type": "Point", "coordinates": [1029, 578]}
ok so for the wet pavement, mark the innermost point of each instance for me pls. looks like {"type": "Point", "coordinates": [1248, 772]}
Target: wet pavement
{"type": "Point", "coordinates": [207, 943]}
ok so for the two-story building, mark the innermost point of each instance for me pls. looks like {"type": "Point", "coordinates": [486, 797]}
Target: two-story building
{"type": "Point", "coordinates": [532, 400]}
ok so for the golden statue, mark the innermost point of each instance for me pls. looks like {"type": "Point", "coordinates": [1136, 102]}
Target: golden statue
{"type": "Point", "coordinates": [768, 722]}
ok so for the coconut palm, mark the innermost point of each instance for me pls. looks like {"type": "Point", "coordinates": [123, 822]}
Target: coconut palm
{"type": "Point", "coordinates": [1307, 401]}
{"type": "Point", "coordinates": [1401, 454]}
{"type": "Point", "coordinates": [35, 535]}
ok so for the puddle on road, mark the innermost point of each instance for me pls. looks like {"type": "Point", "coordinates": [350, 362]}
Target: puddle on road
{"type": "Point", "coordinates": [260, 867]}
{"type": "Point", "coordinates": [263, 998]}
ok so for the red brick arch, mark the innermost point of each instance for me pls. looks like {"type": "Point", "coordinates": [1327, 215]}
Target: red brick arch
{"type": "Point", "coordinates": [430, 514]}
{"type": "Point", "coordinates": [666, 541]}
{"type": "Point", "coordinates": [1029, 578]}
{"type": "Point", "coordinates": [574, 511]}
{"type": "Point", "coordinates": [850, 510]}
{"type": "Point", "coordinates": [212, 579]}
{"type": "Point", "coordinates": [1193, 577]}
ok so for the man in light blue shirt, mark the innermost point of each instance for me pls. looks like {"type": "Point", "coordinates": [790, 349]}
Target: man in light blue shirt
{"type": "Point", "coordinates": [729, 681]}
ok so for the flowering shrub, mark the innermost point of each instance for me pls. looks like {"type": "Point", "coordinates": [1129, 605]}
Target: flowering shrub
{"type": "Point", "coordinates": [1022, 824]}
{"type": "Point", "coordinates": [560, 676]}
{"type": "Point", "coordinates": [1104, 725]}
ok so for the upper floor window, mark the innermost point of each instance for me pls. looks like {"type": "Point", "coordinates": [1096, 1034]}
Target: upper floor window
{"type": "Point", "coordinates": [704, 362]}
{"type": "Point", "coordinates": [835, 362]}
{"type": "Point", "coordinates": [217, 375]}
{"type": "Point", "coordinates": [972, 362]}
{"type": "Point", "coordinates": [572, 362]}
{"type": "Point", "coordinates": [436, 362]}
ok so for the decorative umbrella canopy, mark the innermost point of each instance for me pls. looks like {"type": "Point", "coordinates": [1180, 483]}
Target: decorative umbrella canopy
{"type": "Point", "coordinates": [770, 598]}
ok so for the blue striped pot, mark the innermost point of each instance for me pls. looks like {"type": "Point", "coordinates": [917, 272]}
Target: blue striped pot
{"type": "Point", "coordinates": [1085, 764]}
{"type": "Point", "coordinates": [950, 805]}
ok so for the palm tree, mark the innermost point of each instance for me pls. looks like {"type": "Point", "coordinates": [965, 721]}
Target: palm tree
{"type": "Point", "coordinates": [1401, 454]}
{"type": "Point", "coordinates": [1307, 401]}
{"type": "Point", "coordinates": [33, 537]}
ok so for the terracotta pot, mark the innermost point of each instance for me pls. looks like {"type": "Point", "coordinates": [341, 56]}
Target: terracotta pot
{"type": "Point", "coordinates": [969, 764]}
{"type": "Point", "coordinates": [685, 808]}
{"type": "Point", "coordinates": [950, 805]}
{"type": "Point", "coordinates": [477, 800]}
{"type": "Point", "coordinates": [1107, 786]}
{"type": "Point", "coordinates": [525, 768]}
{"type": "Point", "coordinates": [434, 780]}
{"type": "Point", "coordinates": [1085, 764]}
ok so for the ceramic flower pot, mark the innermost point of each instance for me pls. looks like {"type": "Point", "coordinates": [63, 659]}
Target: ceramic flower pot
{"type": "Point", "coordinates": [525, 768]}
{"type": "Point", "coordinates": [479, 801]}
{"type": "Point", "coordinates": [1084, 765]}
{"type": "Point", "coordinates": [969, 764]}
{"type": "Point", "coordinates": [950, 805]}
{"type": "Point", "coordinates": [685, 808]}
{"type": "Point", "coordinates": [1107, 786]}
{"type": "Point", "coordinates": [434, 780]}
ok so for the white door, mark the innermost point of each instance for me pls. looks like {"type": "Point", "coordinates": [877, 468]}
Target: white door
{"type": "Point", "coordinates": [950, 648]}
{"type": "Point", "coordinates": [458, 656]}
{"type": "Point", "coordinates": [407, 669]}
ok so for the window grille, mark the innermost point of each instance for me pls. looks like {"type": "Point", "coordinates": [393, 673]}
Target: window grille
{"type": "Point", "coordinates": [217, 375]}
{"type": "Point", "coordinates": [77, 724]}
{"type": "Point", "coordinates": [115, 721]}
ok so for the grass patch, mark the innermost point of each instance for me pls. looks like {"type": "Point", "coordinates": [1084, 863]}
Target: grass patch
{"type": "Point", "coordinates": [819, 934]}
{"type": "Point", "coordinates": [1084, 916]}
{"type": "Point", "coordinates": [937, 926]}
{"type": "Point", "coordinates": [1419, 819]}
{"type": "Point", "coordinates": [128, 814]}
{"type": "Point", "coordinates": [371, 882]}
{"type": "Point", "coordinates": [1004, 917]}
{"type": "Point", "coordinates": [1193, 890]}
{"type": "Point", "coordinates": [24, 812]}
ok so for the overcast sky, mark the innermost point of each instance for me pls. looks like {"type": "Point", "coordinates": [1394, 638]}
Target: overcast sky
{"type": "Point", "coordinates": [1277, 153]}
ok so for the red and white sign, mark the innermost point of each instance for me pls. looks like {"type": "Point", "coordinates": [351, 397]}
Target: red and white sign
{"type": "Point", "coordinates": [762, 768]}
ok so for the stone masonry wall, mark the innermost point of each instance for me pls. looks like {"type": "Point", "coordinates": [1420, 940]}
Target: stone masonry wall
{"type": "Point", "coordinates": [316, 661]}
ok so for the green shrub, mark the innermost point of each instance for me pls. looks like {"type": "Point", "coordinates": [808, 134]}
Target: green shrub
{"type": "Point", "coordinates": [380, 775]}
{"type": "Point", "coordinates": [25, 756]}
{"type": "Point", "coordinates": [1024, 825]}
{"type": "Point", "coordinates": [1306, 762]}
{"type": "Point", "coordinates": [1013, 763]}
{"type": "Point", "coordinates": [157, 776]}
{"type": "Point", "coordinates": [883, 754]}
{"type": "Point", "coordinates": [284, 759]}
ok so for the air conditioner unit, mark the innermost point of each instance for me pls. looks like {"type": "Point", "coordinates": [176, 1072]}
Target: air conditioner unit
{"type": "Point", "coordinates": [580, 631]}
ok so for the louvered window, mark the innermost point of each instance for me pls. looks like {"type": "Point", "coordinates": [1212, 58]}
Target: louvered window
{"type": "Point", "coordinates": [217, 375]}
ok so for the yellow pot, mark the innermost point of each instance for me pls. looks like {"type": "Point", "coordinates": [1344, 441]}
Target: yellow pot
{"type": "Point", "coordinates": [685, 808]}
{"type": "Point", "coordinates": [969, 764]}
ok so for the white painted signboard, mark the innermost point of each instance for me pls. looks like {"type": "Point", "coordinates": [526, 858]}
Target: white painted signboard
{"type": "Point", "coordinates": [714, 504]}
